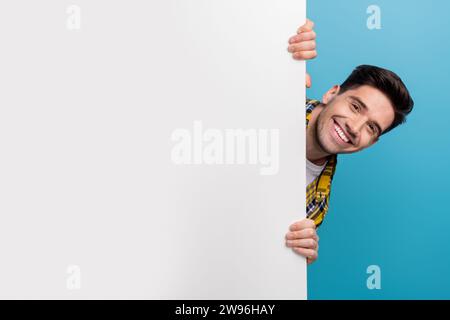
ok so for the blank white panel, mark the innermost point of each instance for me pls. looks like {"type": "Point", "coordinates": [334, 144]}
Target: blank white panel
{"type": "Point", "coordinates": [87, 176]}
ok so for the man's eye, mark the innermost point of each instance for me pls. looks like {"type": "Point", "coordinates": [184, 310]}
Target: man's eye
{"type": "Point", "coordinates": [355, 106]}
{"type": "Point", "coordinates": [372, 128]}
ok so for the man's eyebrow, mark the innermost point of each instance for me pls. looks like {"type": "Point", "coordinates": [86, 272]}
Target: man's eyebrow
{"type": "Point", "coordinates": [364, 106]}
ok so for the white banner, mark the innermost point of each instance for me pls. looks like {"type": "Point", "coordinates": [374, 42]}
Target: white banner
{"type": "Point", "coordinates": [150, 149]}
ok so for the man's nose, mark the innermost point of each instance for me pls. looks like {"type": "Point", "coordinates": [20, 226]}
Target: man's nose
{"type": "Point", "coordinates": [354, 127]}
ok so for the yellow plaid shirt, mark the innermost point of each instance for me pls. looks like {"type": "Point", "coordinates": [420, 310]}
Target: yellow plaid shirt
{"type": "Point", "coordinates": [318, 191]}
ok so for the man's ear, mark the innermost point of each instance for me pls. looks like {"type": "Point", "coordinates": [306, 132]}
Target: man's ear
{"type": "Point", "coordinates": [330, 94]}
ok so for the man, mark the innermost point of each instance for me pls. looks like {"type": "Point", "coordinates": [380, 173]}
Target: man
{"type": "Point", "coordinates": [351, 117]}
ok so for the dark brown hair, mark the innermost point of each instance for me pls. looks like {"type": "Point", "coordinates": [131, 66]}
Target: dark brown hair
{"type": "Point", "coordinates": [387, 82]}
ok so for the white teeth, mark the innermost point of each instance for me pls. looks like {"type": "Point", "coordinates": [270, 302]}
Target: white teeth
{"type": "Point", "coordinates": [340, 133]}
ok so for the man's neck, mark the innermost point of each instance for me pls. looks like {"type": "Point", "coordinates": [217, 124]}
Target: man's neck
{"type": "Point", "coordinates": [314, 152]}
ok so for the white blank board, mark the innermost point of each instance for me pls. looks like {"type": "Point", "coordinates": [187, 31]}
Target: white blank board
{"type": "Point", "coordinates": [98, 199]}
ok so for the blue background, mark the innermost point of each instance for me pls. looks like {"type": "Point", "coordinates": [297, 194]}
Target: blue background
{"type": "Point", "coordinates": [388, 205]}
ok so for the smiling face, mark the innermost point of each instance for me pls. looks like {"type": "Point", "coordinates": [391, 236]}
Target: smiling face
{"type": "Point", "coordinates": [353, 120]}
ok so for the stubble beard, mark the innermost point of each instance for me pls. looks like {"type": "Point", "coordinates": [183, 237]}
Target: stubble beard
{"type": "Point", "coordinates": [319, 135]}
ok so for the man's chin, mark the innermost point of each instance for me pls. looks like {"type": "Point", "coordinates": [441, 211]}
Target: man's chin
{"type": "Point", "coordinates": [333, 149]}
{"type": "Point", "coordinates": [344, 151]}
{"type": "Point", "coordinates": [330, 150]}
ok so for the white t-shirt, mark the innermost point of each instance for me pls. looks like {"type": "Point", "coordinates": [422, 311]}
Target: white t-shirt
{"type": "Point", "coordinates": [313, 171]}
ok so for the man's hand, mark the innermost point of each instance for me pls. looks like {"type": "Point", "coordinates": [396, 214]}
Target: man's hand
{"type": "Point", "coordinates": [303, 239]}
{"type": "Point", "coordinates": [303, 45]}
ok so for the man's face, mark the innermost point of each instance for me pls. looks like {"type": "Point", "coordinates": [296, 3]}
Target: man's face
{"type": "Point", "coordinates": [353, 120]}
